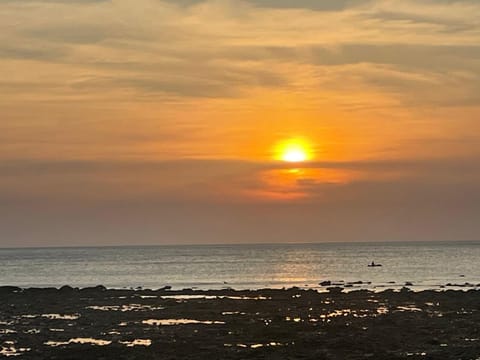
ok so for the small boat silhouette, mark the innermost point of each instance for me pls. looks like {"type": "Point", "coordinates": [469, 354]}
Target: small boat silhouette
{"type": "Point", "coordinates": [373, 264]}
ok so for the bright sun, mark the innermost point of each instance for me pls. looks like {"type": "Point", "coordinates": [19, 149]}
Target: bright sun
{"type": "Point", "coordinates": [294, 151]}
{"type": "Point", "coordinates": [294, 155]}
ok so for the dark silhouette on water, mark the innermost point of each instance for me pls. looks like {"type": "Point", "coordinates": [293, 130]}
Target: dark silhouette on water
{"type": "Point", "coordinates": [374, 265]}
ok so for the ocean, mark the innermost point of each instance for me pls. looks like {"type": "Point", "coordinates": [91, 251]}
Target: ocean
{"type": "Point", "coordinates": [426, 265]}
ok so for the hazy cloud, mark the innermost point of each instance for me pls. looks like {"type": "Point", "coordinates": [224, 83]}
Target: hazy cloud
{"type": "Point", "coordinates": [149, 46]}
{"type": "Point", "coordinates": [67, 2]}
{"type": "Point", "coordinates": [48, 53]}
{"type": "Point", "coordinates": [327, 5]}
{"type": "Point", "coordinates": [57, 205]}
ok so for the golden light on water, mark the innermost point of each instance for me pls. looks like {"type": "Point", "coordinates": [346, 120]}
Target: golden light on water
{"type": "Point", "coordinates": [294, 150]}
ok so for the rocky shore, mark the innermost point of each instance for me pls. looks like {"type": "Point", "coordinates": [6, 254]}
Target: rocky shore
{"type": "Point", "coordinates": [99, 323]}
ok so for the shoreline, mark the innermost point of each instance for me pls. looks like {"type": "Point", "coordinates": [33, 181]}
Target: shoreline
{"type": "Point", "coordinates": [321, 287]}
{"type": "Point", "coordinates": [96, 322]}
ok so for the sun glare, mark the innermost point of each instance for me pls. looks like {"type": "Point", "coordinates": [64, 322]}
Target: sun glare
{"type": "Point", "coordinates": [295, 155]}
{"type": "Point", "coordinates": [294, 151]}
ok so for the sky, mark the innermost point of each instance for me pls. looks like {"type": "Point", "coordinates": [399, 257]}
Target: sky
{"type": "Point", "coordinates": [126, 122]}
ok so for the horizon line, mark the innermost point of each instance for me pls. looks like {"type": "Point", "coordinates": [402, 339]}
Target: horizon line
{"type": "Point", "coordinates": [234, 244]}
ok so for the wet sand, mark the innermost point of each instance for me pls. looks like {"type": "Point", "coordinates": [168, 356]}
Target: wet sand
{"type": "Point", "coordinates": [96, 323]}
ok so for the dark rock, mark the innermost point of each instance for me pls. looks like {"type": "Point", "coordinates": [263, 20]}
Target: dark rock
{"type": "Point", "coordinates": [98, 288]}
{"type": "Point", "coordinates": [9, 289]}
{"type": "Point", "coordinates": [335, 289]}
{"type": "Point", "coordinates": [66, 289]}
{"type": "Point", "coordinates": [40, 291]}
{"type": "Point", "coordinates": [326, 283]}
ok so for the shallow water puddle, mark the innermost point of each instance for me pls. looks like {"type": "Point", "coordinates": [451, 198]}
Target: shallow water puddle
{"type": "Point", "coordinates": [255, 346]}
{"type": "Point", "coordinates": [408, 308]}
{"type": "Point", "coordinates": [53, 316]}
{"type": "Point", "coordinates": [8, 349]}
{"type": "Point", "coordinates": [56, 343]}
{"type": "Point", "coordinates": [295, 319]}
{"type": "Point", "coordinates": [125, 308]}
{"type": "Point", "coordinates": [79, 341]}
{"type": "Point", "coordinates": [233, 313]}
{"type": "Point", "coordinates": [382, 310]}
{"type": "Point", "coordinates": [169, 322]}
{"type": "Point", "coordinates": [361, 313]}
{"type": "Point", "coordinates": [213, 297]}
{"type": "Point", "coordinates": [61, 317]}
{"type": "Point", "coordinates": [99, 342]}
{"type": "Point", "coordinates": [137, 342]}
{"type": "Point", "coordinates": [336, 313]}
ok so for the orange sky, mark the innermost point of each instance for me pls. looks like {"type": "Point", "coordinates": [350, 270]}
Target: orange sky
{"type": "Point", "coordinates": [143, 114]}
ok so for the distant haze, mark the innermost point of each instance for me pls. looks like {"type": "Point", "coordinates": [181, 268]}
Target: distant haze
{"type": "Point", "coordinates": [159, 121]}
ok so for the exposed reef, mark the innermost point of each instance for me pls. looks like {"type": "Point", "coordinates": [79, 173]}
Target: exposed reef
{"type": "Point", "coordinates": [98, 323]}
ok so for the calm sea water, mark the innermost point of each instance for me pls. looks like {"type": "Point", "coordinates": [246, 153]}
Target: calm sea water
{"type": "Point", "coordinates": [427, 265]}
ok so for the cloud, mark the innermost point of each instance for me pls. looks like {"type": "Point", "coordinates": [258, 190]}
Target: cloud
{"type": "Point", "coordinates": [221, 181]}
{"type": "Point", "coordinates": [71, 34]}
{"type": "Point", "coordinates": [66, 2]}
{"type": "Point", "coordinates": [434, 57]}
{"type": "Point", "coordinates": [84, 202]}
{"type": "Point", "coordinates": [324, 5]}
{"type": "Point", "coordinates": [32, 52]}
{"type": "Point", "coordinates": [327, 5]}
{"type": "Point", "coordinates": [203, 81]}
{"type": "Point", "coordinates": [230, 49]}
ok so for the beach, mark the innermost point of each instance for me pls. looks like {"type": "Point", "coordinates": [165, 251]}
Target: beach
{"type": "Point", "coordinates": [101, 323]}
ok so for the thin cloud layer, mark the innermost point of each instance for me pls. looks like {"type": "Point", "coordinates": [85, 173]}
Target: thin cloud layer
{"type": "Point", "coordinates": [203, 42]}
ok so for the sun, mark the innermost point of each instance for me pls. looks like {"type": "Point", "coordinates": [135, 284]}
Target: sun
{"type": "Point", "coordinates": [294, 154]}
{"type": "Point", "coordinates": [294, 150]}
